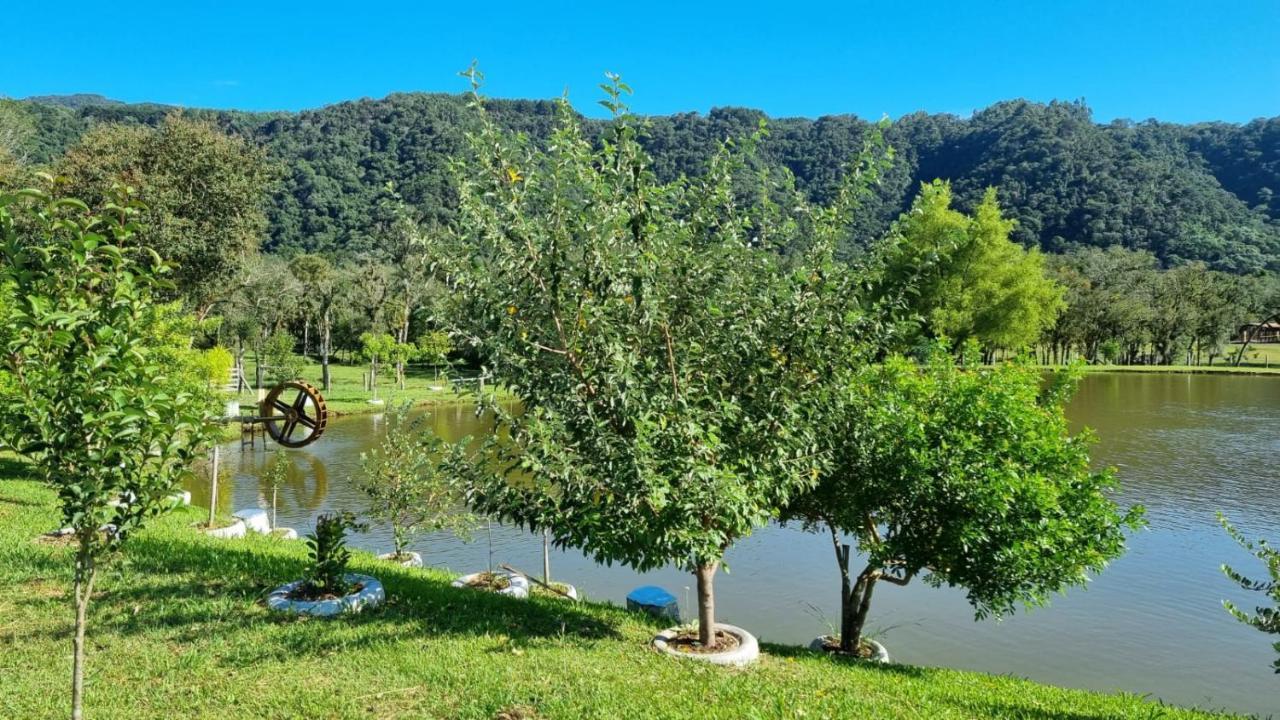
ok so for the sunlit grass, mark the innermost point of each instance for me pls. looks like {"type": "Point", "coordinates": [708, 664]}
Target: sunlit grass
{"type": "Point", "coordinates": [179, 630]}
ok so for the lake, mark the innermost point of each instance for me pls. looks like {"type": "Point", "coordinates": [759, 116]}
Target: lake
{"type": "Point", "coordinates": [1186, 446]}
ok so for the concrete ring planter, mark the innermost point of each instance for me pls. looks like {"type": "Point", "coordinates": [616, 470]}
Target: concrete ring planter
{"type": "Point", "coordinates": [254, 519]}
{"type": "Point", "coordinates": [235, 530]}
{"type": "Point", "coordinates": [518, 586]}
{"type": "Point", "coordinates": [411, 559]}
{"type": "Point", "coordinates": [371, 595]}
{"type": "Point", "coordinates": [879, 653]}
{"type": "Point", "coordinates": [747, 652]}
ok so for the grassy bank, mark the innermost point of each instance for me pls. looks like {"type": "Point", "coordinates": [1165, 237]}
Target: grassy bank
{"type": "Point", "coordinates": [179, 630]}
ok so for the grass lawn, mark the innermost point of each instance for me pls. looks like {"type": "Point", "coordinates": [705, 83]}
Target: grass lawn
{"type": "Point", "coordinates": [348, 396]}
{"type": "Point", "coordinates": [178, 629]}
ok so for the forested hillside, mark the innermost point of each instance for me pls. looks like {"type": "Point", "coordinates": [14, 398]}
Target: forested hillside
{"type": "Point", "coordinates": [1182, 192]}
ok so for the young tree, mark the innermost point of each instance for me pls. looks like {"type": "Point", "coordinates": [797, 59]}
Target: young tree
{"type": "Point", "coordinates": [1266, 619]}
{"type": "Point", "coordinates": [275, 477]}
{"type": "Point", "coordinates": [377, 349]}
{"type": "Point", "coordinates": [408, 484]}
{"type": "Point", "coordinates": [106, 399]}
{"type": "Point", "coordinates": [434, 347]}
{"type": "Point", "coordinates": [983, 285]}
{"type": "Point", "coordinates": [650, 332]}
{"type": "Point", "coordinates": [967, 475]}
{"type": "Point", "coordinates": [280, 360]}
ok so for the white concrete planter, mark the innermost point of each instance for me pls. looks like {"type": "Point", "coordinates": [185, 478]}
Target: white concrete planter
{"type": "Point", "coordinates": [254, 519]}
{"type": "Point", "coordinates": [236, 530]}
{"type": "Point", "coordinates": [371, 595]}
{"type": "Point", "coordinates": [284, 533]}
{"type": "Point", "coordinates": [412, 559]}
{"type": "Point", "coordinates": [747, 652]}
{"type": "Point", "coordinates": [518, 587]}
{"type": "Point", "coordinates": [879, 653]}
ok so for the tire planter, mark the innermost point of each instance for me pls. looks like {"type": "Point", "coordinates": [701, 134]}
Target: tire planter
{"type": "Point", "coordinates": [254, 519]}
{"type": "Point", "coordinates": [517, 587]}
{"type": "Point", "coordinates": [235, 530]}
{"type": "Point", "coordinates": [413, 559]}
{"type": "Point", "coordinates": [879, 653]}
{"type": "Point", "coordinates": [569, 590]}
{"type": "Point", "coordinates": [284, 533]}
{"type": "Point", "coordinates": [181, 498]}
{"type": "Point", "coordinates": [371, 595]}
{"type": "Point", "coordinates": [747, 652]}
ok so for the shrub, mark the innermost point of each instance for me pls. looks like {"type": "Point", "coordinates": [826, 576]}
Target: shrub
{"type": "Point", "coordinates": [327, 545]}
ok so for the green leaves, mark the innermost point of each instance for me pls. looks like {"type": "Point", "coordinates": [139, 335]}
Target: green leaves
{"type": "Point", "coordinates": [970, 475]}
{"type": "Point", "coordinates": [1266, 619]}
{"type": "Point", "coordinates": [409, 481]}
{"type": "Point", "coordinates": [100, 390]}
{"type": "Point", "coordinates": [666, 358]}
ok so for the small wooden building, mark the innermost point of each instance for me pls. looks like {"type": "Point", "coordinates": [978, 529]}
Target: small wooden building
{"type": "Point", "coordinates": [1268, 332]}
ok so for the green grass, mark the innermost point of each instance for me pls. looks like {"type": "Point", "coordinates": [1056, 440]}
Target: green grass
{"type": "Point", "coordinates": [348, 396]}
{"type": "Point", "coordinates": [178, 629]}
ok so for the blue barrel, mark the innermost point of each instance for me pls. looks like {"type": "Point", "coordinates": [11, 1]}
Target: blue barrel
{"type": "Point", "coordinates": [655, 601]}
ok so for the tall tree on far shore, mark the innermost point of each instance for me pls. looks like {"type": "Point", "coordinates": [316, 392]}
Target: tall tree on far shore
{"type": "Point", "coordinates": [204, 194]}
{"type": "Point", "coordinates": [981, 284]}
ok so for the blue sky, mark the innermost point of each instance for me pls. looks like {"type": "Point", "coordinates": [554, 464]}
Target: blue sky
{"type": "Point", "coordinates": [1170, 59]}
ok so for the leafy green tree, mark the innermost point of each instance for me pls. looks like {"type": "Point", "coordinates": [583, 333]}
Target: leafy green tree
{"type": "Point", "coordinates": [276, 476]}
{"type": "Point", "coordinates": [1266, 619]}
{"type": "Point", "coordinates": [434, 347]}
{"type": "Point", "coordinates": [982, 285]}
{"type": "Point", "coordinates": [408, 482]}
{"type": "Point", "coordinates": [969, 476]}
{"type": "Point", "coordinates": [651, 335]}
{"type": "Point", "coordinates": [204, 193]}
{"type": "Point", "coordinates": [322, 284]}
{"type": "Point", "coordinates": [281, 362]}
{"type": "Point", "coordinates": [377, 349]}
{"type": "Point", "coordinates": [100, 402]}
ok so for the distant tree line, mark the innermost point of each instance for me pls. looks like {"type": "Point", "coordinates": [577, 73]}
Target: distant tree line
{"type": "Point", "coordinates": [1183, 193]}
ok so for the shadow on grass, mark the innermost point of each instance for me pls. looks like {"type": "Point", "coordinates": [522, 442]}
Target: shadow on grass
{"type": "Point", "coordinates": [797, 651]}
{"type": "Point", "coordinates": [195, 589]}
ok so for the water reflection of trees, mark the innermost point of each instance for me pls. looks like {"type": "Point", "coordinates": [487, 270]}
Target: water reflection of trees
{"type": "Point", "coordinates": [305, 486]}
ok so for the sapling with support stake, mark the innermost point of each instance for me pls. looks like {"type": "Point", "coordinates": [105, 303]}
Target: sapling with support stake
{"type": "Point", "coordinates": [104, 394]}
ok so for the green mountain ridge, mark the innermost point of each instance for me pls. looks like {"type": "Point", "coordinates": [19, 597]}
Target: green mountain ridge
{"type": "Point", "coordinates": [1200, 192]}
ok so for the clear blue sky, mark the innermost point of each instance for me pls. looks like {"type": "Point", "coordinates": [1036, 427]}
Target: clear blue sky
{"type": "Point", "coordinates": [1178, 60]}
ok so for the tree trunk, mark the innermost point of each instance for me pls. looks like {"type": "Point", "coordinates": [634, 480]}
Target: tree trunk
{"type": "Point", "coordinates": [706, 604]}
{"type": "Point", "coordinates": [306, 337]}
{"type": "Point", "coordinates": [83, 590]}
{"type": "Point", "coordinates": [546, 557]}
{"type": "Point", "coordinates": [325, 340]}
{"type": "Point", "coordinates": [862, 591]}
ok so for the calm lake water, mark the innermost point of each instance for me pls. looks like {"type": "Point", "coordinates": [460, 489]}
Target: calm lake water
{"type": "Point", "coordinates": [1187, 446]}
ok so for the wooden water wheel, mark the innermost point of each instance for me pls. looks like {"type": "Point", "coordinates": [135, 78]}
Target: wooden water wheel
{"type": "Point", "coordinates": [294, 413]}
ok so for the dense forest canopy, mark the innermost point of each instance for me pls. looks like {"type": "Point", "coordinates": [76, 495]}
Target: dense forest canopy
{"type": "Point", "coordinates": [1202, 192]}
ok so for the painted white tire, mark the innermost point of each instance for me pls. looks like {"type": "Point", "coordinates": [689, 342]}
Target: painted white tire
{"type": "Point", "coordinates": [254, 519]}
{"type": "Point", "coordinates": [413, 561]}
{"type": "Point", "coordinates": [747, 652]}
{"type": "Point", "coordinates": [370, 596]}
{"type": "Point", "coordinates": [285, 533]}
{"type": "Point", "coordinates": [180, 498]}
{"type": "Point", "coordinates": [518, 587]}
{"type": "Point", "coordinates": [231, 531]}
{"type": "Point", "coordinates": [880, 654]}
